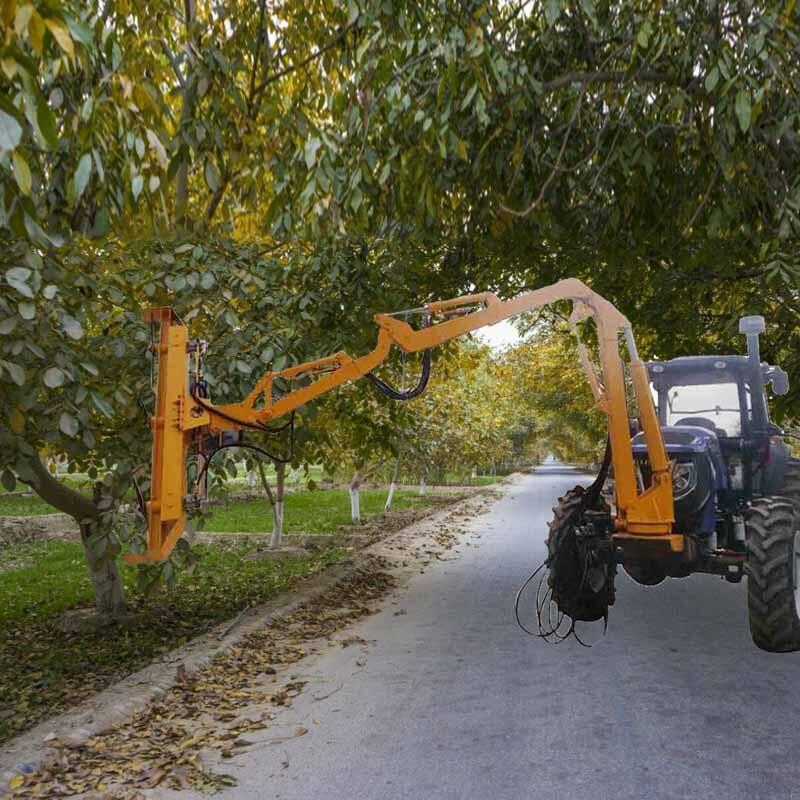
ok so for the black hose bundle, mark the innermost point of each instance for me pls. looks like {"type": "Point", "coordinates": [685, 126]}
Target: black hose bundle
{"type": "Point", "coordinates": [579, 583]}
{"type": "Point", "coordinates": [396, 394]}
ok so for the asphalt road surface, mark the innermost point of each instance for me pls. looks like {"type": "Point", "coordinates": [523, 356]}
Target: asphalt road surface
{"type": "Point", "coordinates": [451, 700]}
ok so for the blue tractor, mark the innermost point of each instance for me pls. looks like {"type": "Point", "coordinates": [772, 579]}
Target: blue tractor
{"type": "Point", "coordinates": [736, 485]}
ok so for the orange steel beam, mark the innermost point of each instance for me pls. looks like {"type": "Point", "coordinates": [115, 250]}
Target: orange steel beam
{"type": "Point", "coordinates": [179, 417]}
{"type": "Point", "coordinates": [165, 511]}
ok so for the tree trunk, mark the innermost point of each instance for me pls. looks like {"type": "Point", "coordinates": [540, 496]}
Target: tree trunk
{"type": "Point", "coordinates": [275, 500]}
{"type": "Point", "coordinates": [277, 509]}
{"type": "Point", "coordinates": [392, 485]}
{"type": "Point", "coordinates": [422, 484]}
{"type": "Point", "coordinates": [355, 495]}
{"type": "Point", "coordinates": [109, 591]}
{"type": "Point", "coordinates": [187, 114]}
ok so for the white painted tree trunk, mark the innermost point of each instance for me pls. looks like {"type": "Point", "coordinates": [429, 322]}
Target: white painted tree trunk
{"type": "Point", "coordinates": [422, 486]}
{"type": "Point", "coordinates": [109, 591]}
{"type": "Point", "coordinates": [392, 486]}
{"type": "Point", "coordinates": [355, 495]}
{"type": "Point", "coordinates": [251, 479]}
{"type": "Point", "coordinates": [277, 526]}
{"type": "Point", "coordinates": [275, 500]}
{"type": "Point", "coordinates": [355, 505]}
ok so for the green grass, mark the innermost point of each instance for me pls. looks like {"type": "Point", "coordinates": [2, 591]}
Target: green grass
{"type": "Point", "coordinates": [24, 507]}
{"type": "Point", "coordinates": [34, 506]}
{"type": "Point", "coordinates": [485, 480]}
{"type": "Point", "coordinates": [320, 511]}
{"type": "Point", "coordinates": [44, 670]}
{"type": "Point", "coordinates": [41, 579]}
{"type": "Point", "coordinates": [462, 479]}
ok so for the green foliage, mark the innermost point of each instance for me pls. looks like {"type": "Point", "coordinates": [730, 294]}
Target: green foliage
{"type": "Point", "coordinates": [465, 418]}
{"type": "Point", "coordinates": [549, 382]}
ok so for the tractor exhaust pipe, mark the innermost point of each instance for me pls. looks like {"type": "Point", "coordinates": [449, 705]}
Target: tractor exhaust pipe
{"type": "Point", "coordinates": [752, 327]}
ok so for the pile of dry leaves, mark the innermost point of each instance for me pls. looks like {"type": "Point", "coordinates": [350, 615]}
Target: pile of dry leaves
{"type": "Point", "coordinates": [209, 710]}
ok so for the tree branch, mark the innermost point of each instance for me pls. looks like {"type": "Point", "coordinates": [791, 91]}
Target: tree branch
{"type": "Point", "coordinates": [265, 483]}
{"type": "Point", "coordinates": [703, 202]}
{"type": "Point", "coordinates": [546, 185]}
{"type": "Point", "coordinates": [620, 77]}
{"type": "Point", "coordinates": [259, 38]}
{"type": "Point", "coordinates": [294, 67]}
{"type": "Point", "coordinates": [216, 197]}
{"type": "Point", "coordinates": [168, 54]}
{"type": "Point", "coordinates": [187, 115]}
{"type": "Point", "coordinates": [56, 494]}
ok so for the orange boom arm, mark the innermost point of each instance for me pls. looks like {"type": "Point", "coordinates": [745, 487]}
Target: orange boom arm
{"type": "Point", "coordinates": [181, 418]}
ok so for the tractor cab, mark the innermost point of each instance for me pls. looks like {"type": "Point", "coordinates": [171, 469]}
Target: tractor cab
{"type": "Point", "coordinates": [714, 416]}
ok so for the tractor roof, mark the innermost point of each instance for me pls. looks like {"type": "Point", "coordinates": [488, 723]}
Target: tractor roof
{"type": "Point", "coordinates": [699, 369]}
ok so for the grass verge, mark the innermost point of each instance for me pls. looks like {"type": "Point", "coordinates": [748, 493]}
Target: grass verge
{"type": "Point", "coordinates": [45, 670]}
{"type": "Point", "coordinates": [24, 507]}
{"type": "Point", "coordinates": [320, 511]}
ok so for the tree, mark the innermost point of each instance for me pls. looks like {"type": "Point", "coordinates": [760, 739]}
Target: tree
{"type": "Point", "coordinates": [644, 148]}
{"type": "Point", "coordinates": [468, 416]}
{"type": "Point", "coordinates": [255, 169]}
{"type": "Point", "coordinates": [358, 430]}
{"type": "Point", "coordinates": [549, 381]}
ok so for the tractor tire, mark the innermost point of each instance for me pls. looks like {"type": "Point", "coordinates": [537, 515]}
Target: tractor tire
{"type": "Point", "coordinates": [574, 595]}
{"type": "Point", "coordinates": [791, 481]}
{"type": "Point", "coordinates": [772, 530]}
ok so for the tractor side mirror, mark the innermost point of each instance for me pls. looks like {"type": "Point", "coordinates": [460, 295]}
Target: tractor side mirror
{"type": "Point", "coordinates": [779, 380]}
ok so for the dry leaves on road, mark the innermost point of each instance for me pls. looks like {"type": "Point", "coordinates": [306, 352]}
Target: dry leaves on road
{"type": "Point", "coordinates": [209, 710]}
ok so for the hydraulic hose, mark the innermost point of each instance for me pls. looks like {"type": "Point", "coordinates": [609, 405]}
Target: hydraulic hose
{"type": "Point", "coordinates": [394, 394]}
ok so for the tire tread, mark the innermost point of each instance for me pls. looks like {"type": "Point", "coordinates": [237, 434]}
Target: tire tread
{"type": "Point", "coordinates": [770, 525]}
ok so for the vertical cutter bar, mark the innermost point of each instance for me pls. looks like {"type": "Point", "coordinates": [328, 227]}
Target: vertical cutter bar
{"type": "Point", "coordinates": [165, 511]}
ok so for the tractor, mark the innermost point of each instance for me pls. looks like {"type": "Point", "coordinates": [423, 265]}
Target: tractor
{"type": "Point", "coordinates": [706, 484]}
{"type": "Point", "coordinates": [735, 484]}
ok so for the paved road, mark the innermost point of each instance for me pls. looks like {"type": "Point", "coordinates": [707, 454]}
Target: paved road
{"type": "Point", "coordinates": [451, 700]}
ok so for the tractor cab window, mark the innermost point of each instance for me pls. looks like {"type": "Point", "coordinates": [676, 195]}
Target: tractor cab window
{"type": "Point", "coordinates": [715, 406]}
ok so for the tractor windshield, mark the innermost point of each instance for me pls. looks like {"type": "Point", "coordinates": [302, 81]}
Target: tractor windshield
{"type": "Point", "coordinates": [714, 405]}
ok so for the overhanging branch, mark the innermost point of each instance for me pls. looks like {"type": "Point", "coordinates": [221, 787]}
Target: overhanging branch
{"type": "Point", "coordinates": [56, 494]}
{"type": "Point", "coordinates": [620, 77]}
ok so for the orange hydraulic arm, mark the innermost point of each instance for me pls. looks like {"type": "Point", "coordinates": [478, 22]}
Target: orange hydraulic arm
{"type": "Point", "coordinates": [180, 417]}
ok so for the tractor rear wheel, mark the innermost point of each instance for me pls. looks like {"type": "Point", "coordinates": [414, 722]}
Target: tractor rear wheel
{"type": "Point", "coordinates": [582, 584]}
{"type": "Point", "coordinates": [773, 573]}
